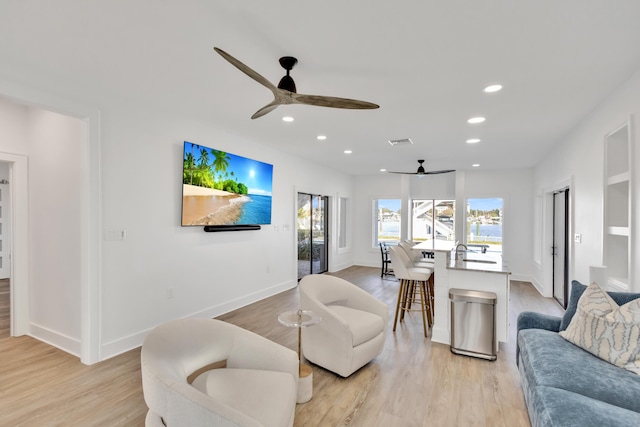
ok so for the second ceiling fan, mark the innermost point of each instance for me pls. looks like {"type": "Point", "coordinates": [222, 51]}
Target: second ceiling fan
{"type": "Point", "coordinates": [285, 93]}
{"type": "Point", "coordinates": [422, 171]}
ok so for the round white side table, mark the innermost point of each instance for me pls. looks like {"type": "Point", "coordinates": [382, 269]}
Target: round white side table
{"type": "Point", "coordinates": [301, 319]}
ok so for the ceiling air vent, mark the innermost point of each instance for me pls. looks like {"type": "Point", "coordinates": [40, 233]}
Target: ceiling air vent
{"type": "Point", "coordinates": [404, 141]}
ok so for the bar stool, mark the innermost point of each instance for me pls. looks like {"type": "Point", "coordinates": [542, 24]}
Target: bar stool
{"type": "Point", "coordinates": [414, 287]}
{"type": "Point", "coordinates": [384, 252]}
{"type": "Point", "coordinates": [419, 262]}
{"type": "Point", "coordinates": [415, 257]}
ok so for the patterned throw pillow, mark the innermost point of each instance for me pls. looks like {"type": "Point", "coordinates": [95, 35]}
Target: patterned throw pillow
{"type": "Point", "coordinates": [607, 330]}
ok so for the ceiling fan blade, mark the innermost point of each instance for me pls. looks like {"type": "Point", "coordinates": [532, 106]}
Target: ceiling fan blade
{"type": "Point", "coordinates": [246, 69]}
{"type": "Point", "coordinates": [332, 101]}
{"type": "Point", "coordinates": [404, 173]}
{"type": "Point", "coordinates": [437, 172]}
{"type": "Point", "coordinates": [266, 109]}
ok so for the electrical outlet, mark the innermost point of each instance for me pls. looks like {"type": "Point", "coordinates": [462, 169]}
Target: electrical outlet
{"type": "Point", "coordinates": [577, 238]}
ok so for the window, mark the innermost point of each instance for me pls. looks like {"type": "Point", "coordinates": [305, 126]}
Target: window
{"type": "Point", "coordinates": [484, 224]}
{"type": "Point", "coordinates": [433, 219]}
{"type": "Point", "coordinates": [342, 222]}
{"type": "Point", "coordinates": [388, 218]}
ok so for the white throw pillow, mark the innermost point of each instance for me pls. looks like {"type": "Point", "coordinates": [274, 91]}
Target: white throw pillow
{"type": "Point", "coordinates": [606, 330]}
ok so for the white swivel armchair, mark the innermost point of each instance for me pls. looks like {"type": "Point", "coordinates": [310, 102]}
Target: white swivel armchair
{"type": "Point", "coordinates": [206, 372]}
{"type": "Point", "coordinates": [353, 327]}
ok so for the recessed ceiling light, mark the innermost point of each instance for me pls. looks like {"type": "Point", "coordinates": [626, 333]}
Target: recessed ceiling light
{"type": "Point", "coordinates": [287, 119]}
{"type": "Point", "coordinates": [321, 137]}
{"type": "Point", "coordinates": [475, 165]}
{"type": "Point", "coordinates": [475, 120]}
{"type": "Point", "coordinates": [348, 151]}
{"type": "Point", "coordinates": [383, 170]}
{"type": "Point", "coordinates": [473, 140]}
{"type": "Point", "coordinates": [492, 88]}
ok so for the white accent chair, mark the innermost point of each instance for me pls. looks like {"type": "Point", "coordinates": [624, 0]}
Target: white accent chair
{"type": "Point", "coordinates": [353, 327]}
{"type": "Point", "coordinates": [206, 372]}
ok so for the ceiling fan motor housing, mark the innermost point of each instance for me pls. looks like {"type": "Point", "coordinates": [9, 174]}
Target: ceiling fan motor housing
{"type": "Point", "coordinates": [287, 83]}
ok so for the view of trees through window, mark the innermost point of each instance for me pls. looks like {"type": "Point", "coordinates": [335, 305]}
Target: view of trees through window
{"type": "Point", "coordinates": [433, 219]}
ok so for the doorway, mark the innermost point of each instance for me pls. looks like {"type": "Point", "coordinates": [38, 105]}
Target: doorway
{"type": "Point", "coordinates": [312, 221]}
{"type": "Point", "coordinates": [5, 223]}
{"type": "Point", "coordinates": [559, 250]}
{"type": "Point", "coordinates": [21, 282]}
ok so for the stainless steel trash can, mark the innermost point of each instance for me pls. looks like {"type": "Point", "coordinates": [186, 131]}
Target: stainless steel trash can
{"type": "Point", "coordinates": [473, 323]}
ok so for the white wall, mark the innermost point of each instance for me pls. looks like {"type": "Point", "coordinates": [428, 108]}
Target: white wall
{"type": "Point", "coordinates": [54, 148]}
{"type": "Point", "coordinates": [578, 159]}
{"type": "Point", "coordinates": [13, 127]}
{"type": "Point", "coordinates": [513, 185]}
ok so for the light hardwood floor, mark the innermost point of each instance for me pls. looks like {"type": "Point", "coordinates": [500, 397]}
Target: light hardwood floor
{"type": "Point", "coordinates": [414, 382]}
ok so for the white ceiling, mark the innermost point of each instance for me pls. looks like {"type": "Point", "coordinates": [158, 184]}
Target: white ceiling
{"type": "Point", "coordinates": [424, 62]}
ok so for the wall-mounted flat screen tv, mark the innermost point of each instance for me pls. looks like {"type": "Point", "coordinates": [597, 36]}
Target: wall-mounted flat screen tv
{"type": "Point", "coordinates": [224, 189]}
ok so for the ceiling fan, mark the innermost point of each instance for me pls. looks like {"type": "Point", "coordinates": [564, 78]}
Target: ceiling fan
{"type": "Point", "coordinates": [285, 93]}
{"type": "Point", "coordinates": [421, 170]}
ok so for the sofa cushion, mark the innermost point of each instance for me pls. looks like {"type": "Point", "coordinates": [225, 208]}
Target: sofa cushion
{"type": "Point", "coordinates": [363, 325]}
{"type": "Point", "coordinates": [606, 330]}
{"type": "Point", "coordinates": [548, 360]}
{"type": "Point", "coordinates": [266, 396]}
{"type": "Point", "coordinates": [560, 408]}
{"type": "Point", "coordinates": [577, 289]}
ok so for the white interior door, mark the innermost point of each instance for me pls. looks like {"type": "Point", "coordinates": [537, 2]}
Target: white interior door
{"type": "Point", "coordinates": [5, 209]}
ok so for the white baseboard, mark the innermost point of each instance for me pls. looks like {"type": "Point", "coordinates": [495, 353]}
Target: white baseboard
{"type": "Point", "coordinates": [56, 339]}
{"type": "Point", "coordinates": [522, 277]}
{"type": "Point", "coordinates": [440, 335]}
{"type": "Point", "coordinates": [339, 267]}
{"type": "Point", "coordinates": [538, 286]}
{"type": "Point", "coordinates": [366, 263]}
{"type": "Point", "coordinates": [122, 345]}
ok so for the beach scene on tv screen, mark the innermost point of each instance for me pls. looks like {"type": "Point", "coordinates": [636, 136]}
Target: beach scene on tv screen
{"type": "Point", "coordinates": [220, 188]}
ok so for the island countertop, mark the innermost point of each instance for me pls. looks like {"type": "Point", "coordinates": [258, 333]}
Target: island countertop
{"type": "Point", "coordinates": [475, 261]}
{"type": "Point", "coordinates": [435, 245]}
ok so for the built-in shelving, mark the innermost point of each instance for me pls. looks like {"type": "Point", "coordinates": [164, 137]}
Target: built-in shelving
{"type": "Point", "coordinates": [617, 206]}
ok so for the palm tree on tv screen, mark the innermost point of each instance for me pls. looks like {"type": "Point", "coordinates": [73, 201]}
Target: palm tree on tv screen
{"type": "Point", "coordinates": [220, 162]}
{"type": "Point", "coordinates": [189, 165]}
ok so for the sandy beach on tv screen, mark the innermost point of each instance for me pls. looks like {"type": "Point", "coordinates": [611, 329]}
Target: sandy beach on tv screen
{"type": "Point", "coordinates": [206, 206]}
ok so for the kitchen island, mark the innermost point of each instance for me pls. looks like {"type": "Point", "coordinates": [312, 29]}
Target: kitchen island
{"type": "Point", "coordinates": [474, 271]}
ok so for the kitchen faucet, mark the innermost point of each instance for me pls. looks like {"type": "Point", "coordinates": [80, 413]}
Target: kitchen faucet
{"type": "Point", "coordinates": [458, 247]}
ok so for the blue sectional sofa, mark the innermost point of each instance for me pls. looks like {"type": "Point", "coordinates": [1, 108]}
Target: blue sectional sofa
{"type": "Point", "coordinates": [565, 385]}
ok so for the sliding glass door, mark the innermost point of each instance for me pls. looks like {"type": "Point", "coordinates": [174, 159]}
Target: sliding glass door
{"type": "Point", "coordinates": [313, 239]}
